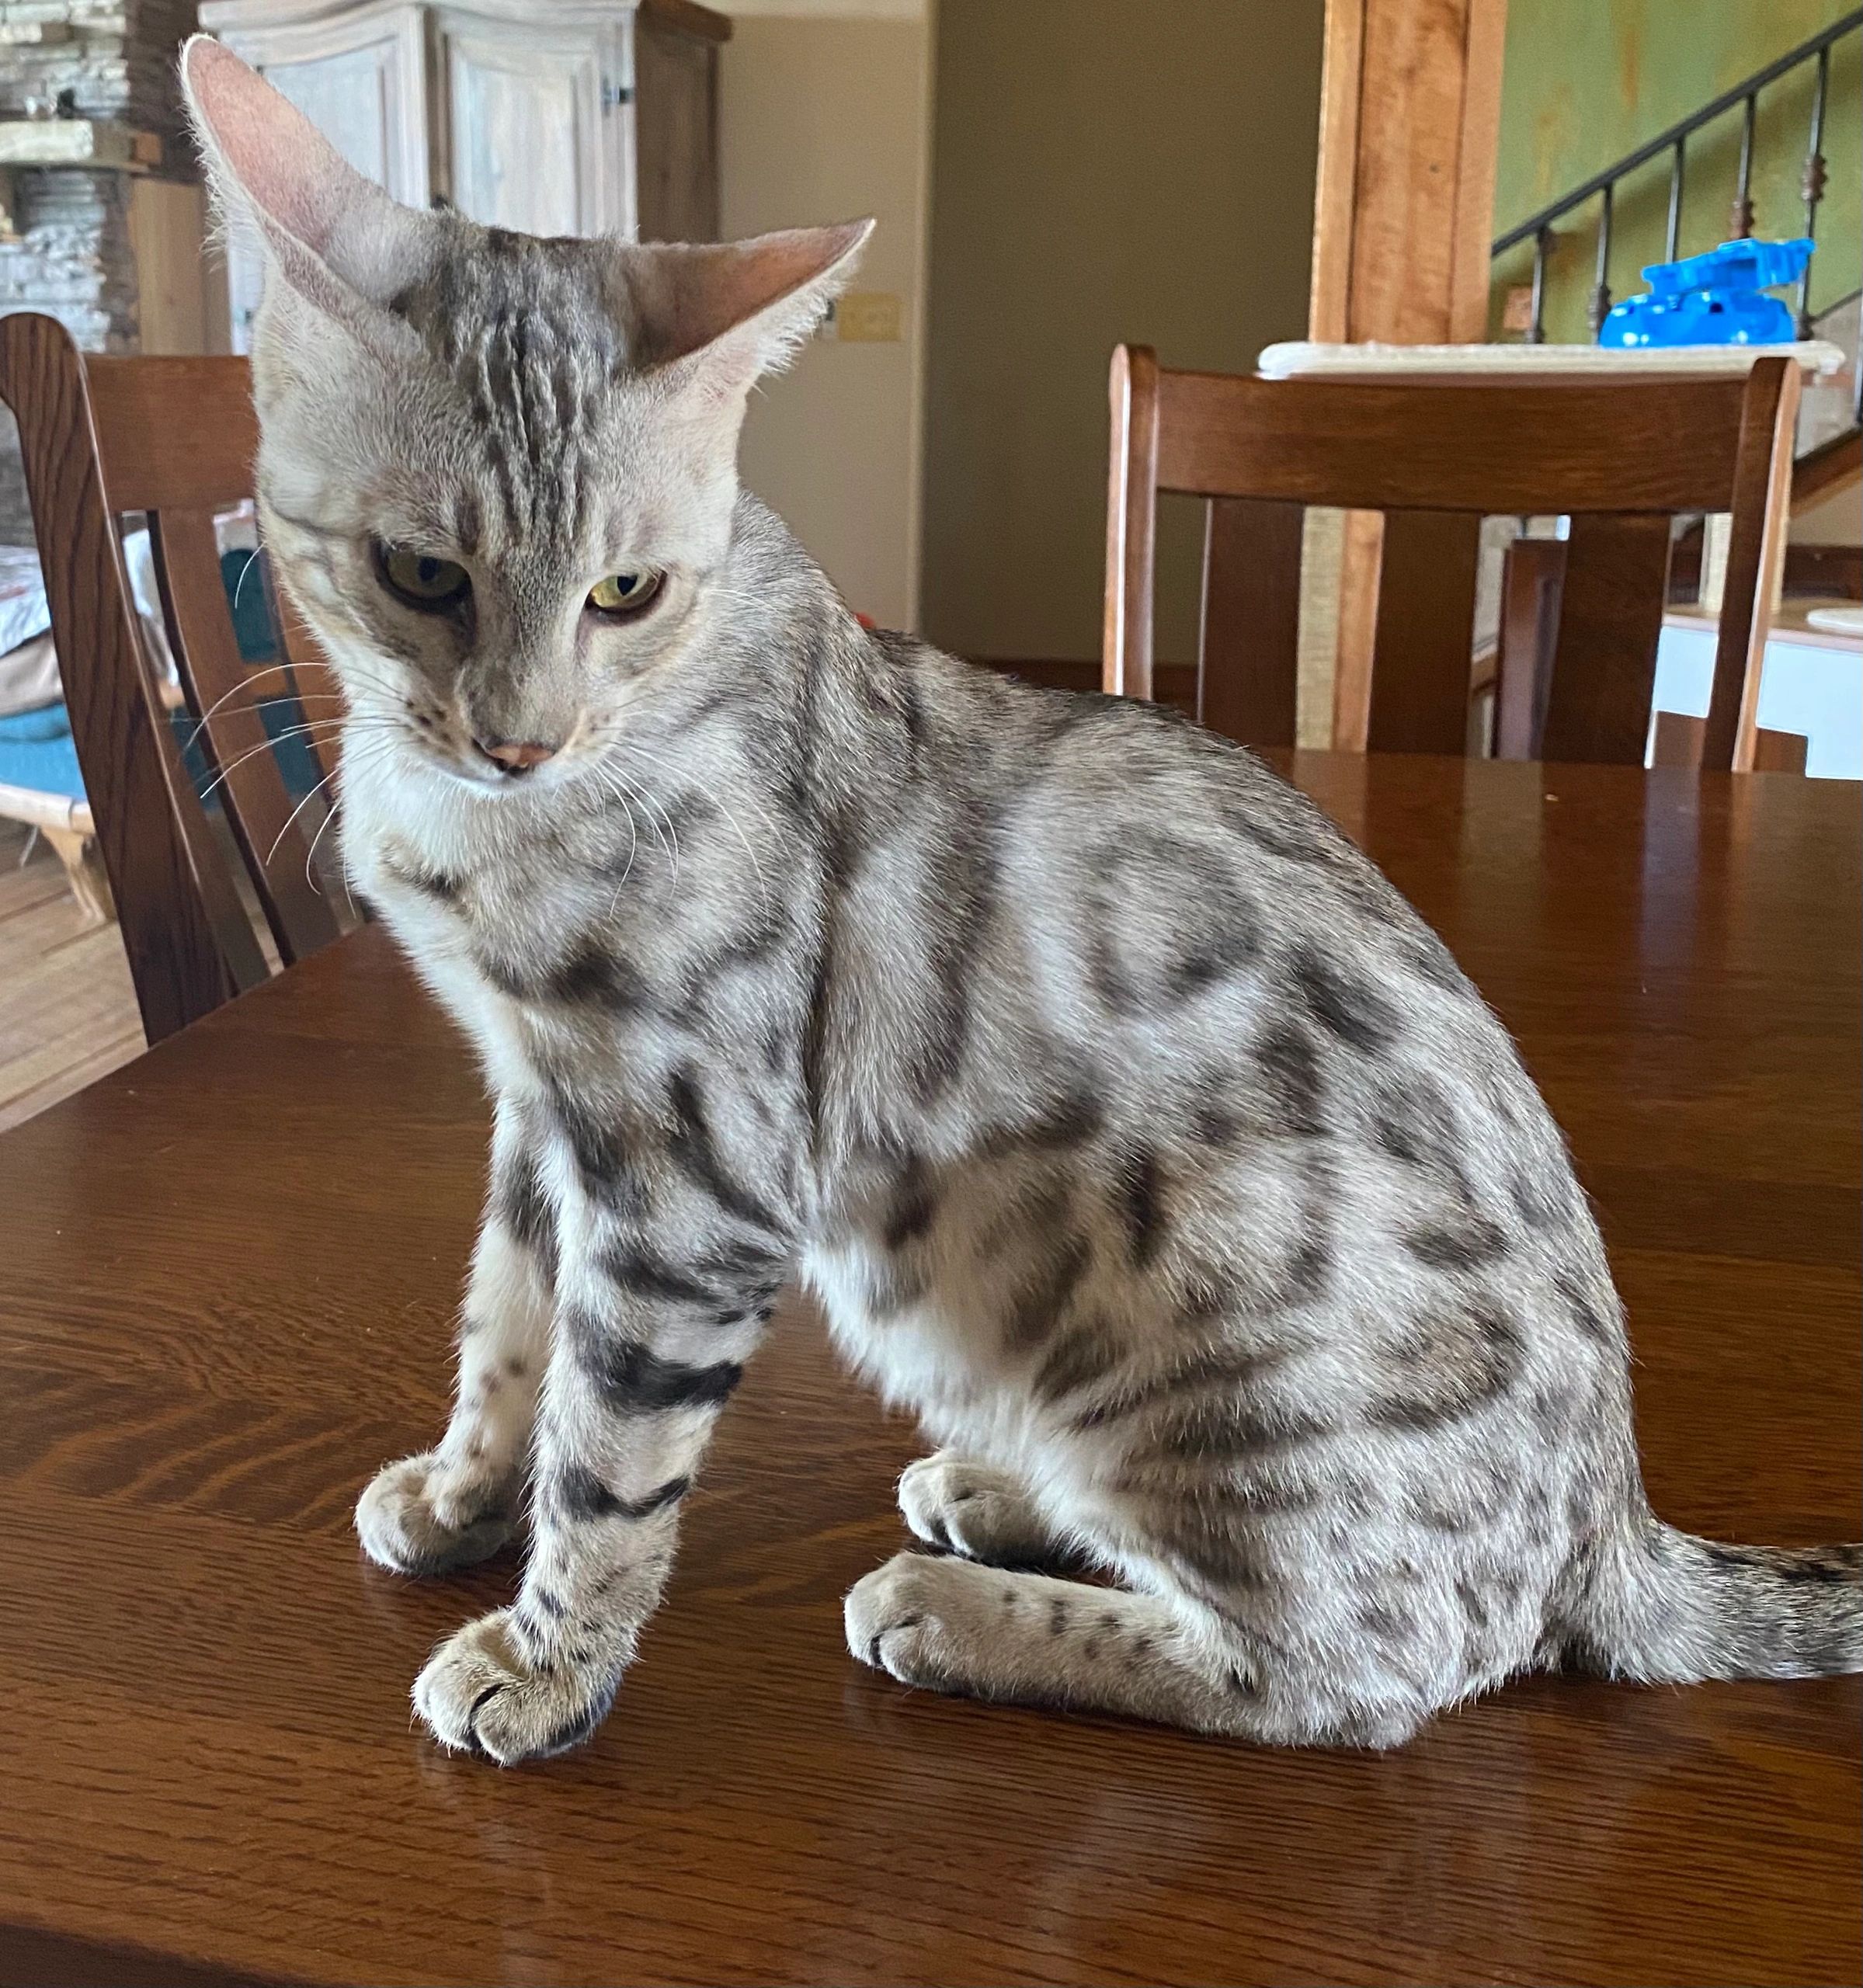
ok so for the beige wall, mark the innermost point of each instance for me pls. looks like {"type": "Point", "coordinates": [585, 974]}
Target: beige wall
{"type": "Point", "coordinates": [1836, 521]}
{"type": "Point", "coordinates": [1103, 170]}
{"type": "Point", "coordinates": [823, 117]}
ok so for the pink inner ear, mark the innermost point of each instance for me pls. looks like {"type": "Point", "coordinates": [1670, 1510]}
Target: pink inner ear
{"type": "Point", "coordinates": [280, 158]}
{"type": "Point", "coordinates": [711, 290]}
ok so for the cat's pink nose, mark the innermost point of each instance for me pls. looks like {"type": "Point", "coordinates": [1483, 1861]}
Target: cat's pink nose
{"type": "Point", "coordinates": [515, 756]}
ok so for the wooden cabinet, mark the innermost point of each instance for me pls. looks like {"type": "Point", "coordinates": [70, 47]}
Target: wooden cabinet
{"type": "Point", "coordinates": [552, 116]}
{"type": "Point", "coordinates": [532, 142]}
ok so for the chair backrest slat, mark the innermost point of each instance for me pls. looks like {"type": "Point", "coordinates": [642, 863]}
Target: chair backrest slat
{"type": "Point", "coordinates": [1248, 669]}
{"type": "Point", "coordinates": [1426, 610]}
{"type": "Point", "coordinates": [175, 439]}
{"type": "Point", "coordinates": [1416, 466]}
{"type": "Point", "coordinates": [245, 964]}
{"type": "Point", "coordinates": [229, 699]}
{"type": "Point", "coordinates": [310, 676]}
{"type": "Point", "coordinates": [151, 461]}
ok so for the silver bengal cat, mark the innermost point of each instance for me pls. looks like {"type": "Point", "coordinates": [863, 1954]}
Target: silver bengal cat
{"type": "Point", "coordinates": [1129, 1126]}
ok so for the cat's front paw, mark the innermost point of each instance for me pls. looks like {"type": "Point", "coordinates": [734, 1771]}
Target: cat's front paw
{"type": "Point", "coordinates": [911, 1616]}
{"type": "Point", "coordinates": [481, 1693]}
{"type": "Point", "coordinates": [423, 1516]}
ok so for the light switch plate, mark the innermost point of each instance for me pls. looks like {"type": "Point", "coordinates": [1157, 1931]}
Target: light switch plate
{"type": "Point", "coordinates": [868, 317]}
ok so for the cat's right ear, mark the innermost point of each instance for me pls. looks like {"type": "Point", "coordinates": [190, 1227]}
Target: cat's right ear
{"type": "Point", "coordinates": [334, 237]}
{"type": "Point", "coordinates": [714, 315]}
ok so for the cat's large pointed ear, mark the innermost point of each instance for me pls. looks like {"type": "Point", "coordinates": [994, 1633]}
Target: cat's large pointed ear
{"type": "Point", "coordinates": [335, 237]}
{"type": "Point", "coordinates": [722, 312]}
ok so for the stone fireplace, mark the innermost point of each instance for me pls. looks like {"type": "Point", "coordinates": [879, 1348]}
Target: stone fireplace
{"type": "Point", "coordinates": [100, 205]}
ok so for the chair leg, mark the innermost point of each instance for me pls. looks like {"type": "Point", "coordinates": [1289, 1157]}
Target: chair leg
{"type": "Point", "coordinates": [1679, 741]}
{"type": "Point", "coordinates": [83, 872]}
{"type": "Point", "coordinates": [1780, 752]}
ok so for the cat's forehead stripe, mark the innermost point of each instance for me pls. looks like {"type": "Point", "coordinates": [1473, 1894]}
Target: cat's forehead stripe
{"type": "Point", "coordinates": [532, 335]}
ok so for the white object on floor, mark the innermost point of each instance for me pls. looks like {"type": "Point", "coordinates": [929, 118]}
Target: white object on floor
{"type": "Point", "coordinates": [29, 675]}
{"type": "Point", "coordinates": [1836, 621]}
{"type": "Point", "coordinates": [1810, 687]}
{"type": "Point", "coordinates": [1302, 359]}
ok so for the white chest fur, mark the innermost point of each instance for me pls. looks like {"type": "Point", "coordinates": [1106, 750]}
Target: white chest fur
{"type": "Point", "coordinates": [931, 1356]}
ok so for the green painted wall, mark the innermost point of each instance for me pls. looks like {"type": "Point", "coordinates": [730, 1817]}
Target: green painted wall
{"type": "Point", "coordinates": [1587, 81]}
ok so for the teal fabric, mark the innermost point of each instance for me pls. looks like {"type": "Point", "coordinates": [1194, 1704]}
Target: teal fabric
{"type": "Point", "coordinates": [251, 609]}
{"type": "Point", "coordinates": [47, 721]}
{"type": "Point", "coordinates": [37, 752]}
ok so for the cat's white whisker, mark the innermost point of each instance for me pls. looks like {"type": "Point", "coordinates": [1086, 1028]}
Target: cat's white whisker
{"type": "Point", "coordinates": [710, 792]}
{"type": "Point", "coordinates": [315, 731]}
{"type": "Point", "coordinates": [360, 753]}
{"type": "Point", "coordinates": [749, 851]}
{"type": "Point", "coordinates": [226, 696]}
{"type": "Point", "coordinates": [295, 811]}
{"type": "Point", "coordinates": [330, 815]}
{"type": "Point", "coordinates": [245, 573]}
{"type": "Point", "coordinates": [634, 847]}
{"type": "Point", "coordinates": [665, 837]}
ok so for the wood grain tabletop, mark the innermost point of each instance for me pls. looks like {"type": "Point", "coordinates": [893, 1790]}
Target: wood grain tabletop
{"type": "Point", "coordinates": [227, 1285]}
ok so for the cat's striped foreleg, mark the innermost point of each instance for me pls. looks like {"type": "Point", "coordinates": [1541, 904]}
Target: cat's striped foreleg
{"type": "Point", "coordinates": [651, 1335]}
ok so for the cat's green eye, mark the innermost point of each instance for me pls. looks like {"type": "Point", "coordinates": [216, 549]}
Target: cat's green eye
{"type": "Point", "coordinates": [420, 579]}
{"type": "Point", "coordinates": [624, 593]}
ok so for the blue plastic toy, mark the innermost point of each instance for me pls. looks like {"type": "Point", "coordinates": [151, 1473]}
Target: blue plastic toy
{"type": "Point", "coordinates": [1716, 299]}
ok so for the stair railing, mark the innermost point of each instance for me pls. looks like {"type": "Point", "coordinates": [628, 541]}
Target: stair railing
{"type": "Point", "coordinates": [1745, 96]}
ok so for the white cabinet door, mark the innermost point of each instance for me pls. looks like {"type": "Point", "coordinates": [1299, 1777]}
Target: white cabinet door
{"type": "Point", "coordinates": [361, 82]}
{"type": "Point", "coordinates": [533, 116]}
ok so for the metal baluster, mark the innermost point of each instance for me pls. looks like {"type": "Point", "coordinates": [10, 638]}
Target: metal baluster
{"type": "Point", "coordinates": [1599, 300]}
{"type": "Point", "coordinates": [1813, 185]}
{"type": "Point", "coordinates": [1740, 220]}
{"type": "Point", "coordinates": [1672, 242]}
{"type": "Point", "coordinates": [1536, 331]}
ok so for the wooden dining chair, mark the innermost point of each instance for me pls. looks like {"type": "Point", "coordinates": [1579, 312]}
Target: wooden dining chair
{"type": "Point", "coordinates": [1435, 458]}
{"type": "Point", "coordinates": [175, 439]}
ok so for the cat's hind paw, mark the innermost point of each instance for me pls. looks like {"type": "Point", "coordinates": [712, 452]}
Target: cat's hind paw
{"type": "Point", "coordinates": [482, 1692]}
{"type": "Point", "coordinates": [422, 1516]}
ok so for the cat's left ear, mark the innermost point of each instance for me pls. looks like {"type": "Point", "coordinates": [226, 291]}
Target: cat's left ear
{"type": "Point", "coordinates": [720, 314]}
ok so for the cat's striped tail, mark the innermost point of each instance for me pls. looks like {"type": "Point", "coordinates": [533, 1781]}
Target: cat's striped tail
{"type": "Point", "coordinates": [1665, 1607]}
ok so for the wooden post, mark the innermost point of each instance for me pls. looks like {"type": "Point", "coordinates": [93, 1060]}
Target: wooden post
{"type": "Point", "coordinates": [1409, 127]}
{"type": "Point", "coordinates": [1131, 523]}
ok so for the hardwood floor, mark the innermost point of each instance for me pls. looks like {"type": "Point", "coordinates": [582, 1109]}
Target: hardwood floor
{"type": "Point", "coordinates": [67, 1011]}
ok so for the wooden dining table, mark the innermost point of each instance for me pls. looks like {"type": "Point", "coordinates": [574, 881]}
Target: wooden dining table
{"type": "Point", "coordinates": [227, 1285]}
